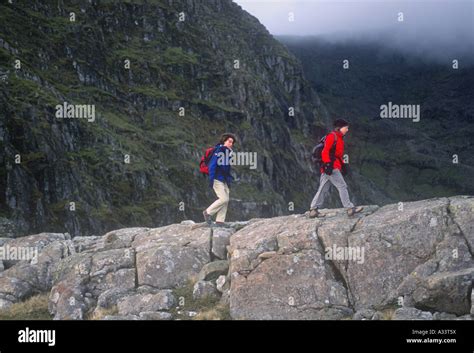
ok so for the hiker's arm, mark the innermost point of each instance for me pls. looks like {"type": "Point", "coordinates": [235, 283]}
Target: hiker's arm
{"type": "Point", "coordinates": [212, 169]}
{"type": "Point", "coordinates": [327, 148]}
{"type": "Point", "coordinates": [228, 175]}
{"type": "Point", "coordinates": [225, 168]}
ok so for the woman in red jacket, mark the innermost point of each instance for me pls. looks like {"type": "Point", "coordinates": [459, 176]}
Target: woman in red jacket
{"type": "Point", "coordinates": [331, 156]}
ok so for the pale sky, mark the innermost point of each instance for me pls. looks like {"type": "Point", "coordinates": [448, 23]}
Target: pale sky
{"type": "Point", "coordinates": [427, 24]}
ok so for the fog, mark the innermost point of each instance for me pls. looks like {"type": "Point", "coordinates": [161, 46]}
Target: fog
{"type": "Point", "coordinates": [439, 29]}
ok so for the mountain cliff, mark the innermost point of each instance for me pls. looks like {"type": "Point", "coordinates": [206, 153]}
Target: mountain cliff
{"type": "Point", "coordinates": [137, 65]}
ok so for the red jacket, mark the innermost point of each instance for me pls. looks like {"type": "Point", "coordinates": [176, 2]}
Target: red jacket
{"type": "Point", "coordinates": [338, 153]}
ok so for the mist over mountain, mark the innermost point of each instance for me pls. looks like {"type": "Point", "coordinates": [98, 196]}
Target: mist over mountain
{"type": "Point", "coordinates": [389, 43]}
{"type": "Point", "coordinates": [437, 30]}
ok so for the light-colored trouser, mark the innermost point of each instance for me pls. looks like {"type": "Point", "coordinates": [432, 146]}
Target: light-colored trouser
{"type": "Point", "coordinates": [220, 205]}
{"type": "Point", "coordinates": [325, 182]}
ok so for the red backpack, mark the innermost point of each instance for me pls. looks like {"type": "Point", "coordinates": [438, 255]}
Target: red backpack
{"type": "Point", "coordinates": [203, 165]}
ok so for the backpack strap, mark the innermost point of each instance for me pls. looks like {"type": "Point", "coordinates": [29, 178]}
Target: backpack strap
{"type": "Point", "coordinates": [333, 148]}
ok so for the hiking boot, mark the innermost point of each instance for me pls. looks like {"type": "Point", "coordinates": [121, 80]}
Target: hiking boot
{"type": "Point", "coordinates": [219, 224]}
{"type": "Point", "coordinates": [353, 210]}
{"type": "Point", "coordinates": [314, 213]}
{"type": "Point", "coordinates": [207, 217]}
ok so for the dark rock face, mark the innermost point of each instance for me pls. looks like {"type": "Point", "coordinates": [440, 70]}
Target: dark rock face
{"type": "Point", "coordinates": [220, 64]}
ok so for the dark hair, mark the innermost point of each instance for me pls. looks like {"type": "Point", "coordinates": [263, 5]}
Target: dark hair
{"type": "Point", "coordinates": [339, 123]}
{"type": "Point", "coordinates": [226, 136]}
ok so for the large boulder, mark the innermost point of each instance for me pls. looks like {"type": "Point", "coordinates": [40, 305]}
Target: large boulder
{"type": "Point", "coordinates": [150, 302]}
{"type": "Point", "coordinates": [87, 275]}
{"type": "Point", "coordinates": [220, 241]}
{"type": "Point", "coordinates": [213, 270]}
{"type": "Point", "coordinates": [447, 291]}
{"type": "Point", "coordinates": [404, 247]}
{"type": "Point", "coordinates": [472, 302]}
{"type": "Point", "coordinates": [171, 256]}
{"type": "Point", "coordinates": [417, 254]}
{"type": "Point", "coordinates": [27, 249]}
{"type": "Point", "coordinates": [26, 278]}
{"type": "Point", "coordinates": [67, 300]}
{"type": "Point", "coordinates": [460, 210]}
{"type": "Point", "coordinates": [133, 269]}
{"type": "Point", "coordinates": [296, 283]}
{"type": "Point", "coordinates": [205, 289]}
{"type": "Point", "coordinates": [395, 241]}
{"type": "Point", "coordinates": [406, 313]}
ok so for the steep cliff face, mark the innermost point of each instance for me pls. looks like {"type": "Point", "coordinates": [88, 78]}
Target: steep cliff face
{"type": "Point", "coordinates": [172, 64]}
{"type": "Point", "coordinates": [407, 261]}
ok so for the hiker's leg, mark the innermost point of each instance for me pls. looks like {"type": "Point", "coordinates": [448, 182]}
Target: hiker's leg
{"type": "Point", "coordinates": [223, 198]}
{"type": "Point", "coordinates": [323, 189]}
{"type": "Point", "coordinates": [222, 212]}
{"type": "Point", "coordinates": [338, 181]}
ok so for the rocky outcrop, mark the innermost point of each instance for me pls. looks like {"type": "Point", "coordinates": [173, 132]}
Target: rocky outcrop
{"type": "Point", "coordinates": [414, 254]}
{"type": "Point", "coordinates": [404, 261]}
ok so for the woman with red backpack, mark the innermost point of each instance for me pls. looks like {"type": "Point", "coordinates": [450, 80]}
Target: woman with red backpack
{"type": "Point", "coordinates": [217, 164]}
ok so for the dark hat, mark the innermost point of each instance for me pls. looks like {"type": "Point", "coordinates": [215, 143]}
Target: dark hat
{"type": "Point", "coordinates": [340, 123]}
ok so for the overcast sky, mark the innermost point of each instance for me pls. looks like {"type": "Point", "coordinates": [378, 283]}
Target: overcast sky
{"type": "Point", "coordinates": [438, 25]}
